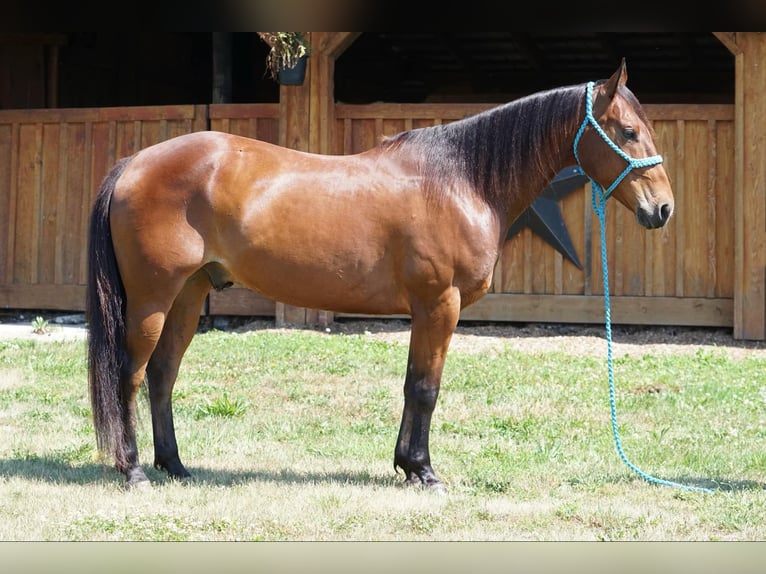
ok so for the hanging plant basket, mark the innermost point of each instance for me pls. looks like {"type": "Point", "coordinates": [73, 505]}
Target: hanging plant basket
{"type": "Point", "coordinates": [286, 60]}
{"type": "Point", "coordinates": [295, 75]}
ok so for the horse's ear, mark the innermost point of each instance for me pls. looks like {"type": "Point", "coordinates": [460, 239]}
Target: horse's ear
{"type": "Point", "coordinates": [619, 78]}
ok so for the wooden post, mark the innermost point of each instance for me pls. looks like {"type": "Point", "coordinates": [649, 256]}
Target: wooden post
{"type": "Point", "coordinates": [306, 117]}
{"type": "Point", "coordinates": [749, 49]}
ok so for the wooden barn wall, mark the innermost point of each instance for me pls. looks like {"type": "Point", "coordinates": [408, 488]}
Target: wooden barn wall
{"type": "Point", "coordinates": [51, 162]}
{"type": "Point", "coordinates": [682, 274]}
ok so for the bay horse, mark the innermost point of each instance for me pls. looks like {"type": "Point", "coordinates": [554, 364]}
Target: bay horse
{"type": "Point", "coordinates": [412, 226]}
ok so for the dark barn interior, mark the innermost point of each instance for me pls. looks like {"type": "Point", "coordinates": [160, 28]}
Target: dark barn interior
{"type": "Point", "coordinates": [98, 69]}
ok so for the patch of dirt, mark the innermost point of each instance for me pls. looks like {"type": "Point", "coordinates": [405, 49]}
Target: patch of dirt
{"type": "Point", "coordinates": [575, 339]}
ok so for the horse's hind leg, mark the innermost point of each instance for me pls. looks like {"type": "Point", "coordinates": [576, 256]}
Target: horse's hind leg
{"type": "Point", "coordinates": [143, 325]}
{"type": "Point", "coordinates": [432, 329]}
{"type": "Point", "coordinates": [162, 370]}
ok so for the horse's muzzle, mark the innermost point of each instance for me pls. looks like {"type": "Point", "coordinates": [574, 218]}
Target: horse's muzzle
{"type": "Point", "coordinates": [656, 217]}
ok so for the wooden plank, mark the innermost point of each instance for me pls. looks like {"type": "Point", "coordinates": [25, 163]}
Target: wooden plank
{"type": "Point", "coordinates": [27, 248]}
{"type": "Point", "coordinates": [150, 134]}
{"type": "Point", "coordinates": [537, 250]}
{"type": "Point", "coordinates": [56, 297]}
{"type": "Point", "coordinates": [67, 233]}
{"type": "Point", "coordinates": [243, 111]}
{"type": "Point", "coordinates": [200, 121]}
{"type": "Point", "coordinates": [680, 193]}
{"type": "Point", "coordinates": [725, 224]}
{"type": "Point", "coordinates": [317, 72]}
{"type": "Point", "coordinates": [363, 135]}
{"type": "Point", "coordinates": [89, 181]}
{"type": "Point", "coordinates": [740, 329]}
{"type": "Point", "coordinates": [715, 312]}
{"type": "Point", "coordinates": [689, 112]}
{"type": "Point", "coordinates": [240, 301]}
{"type": "Point", "coordinates": [588, 216]}
{"type": "Point", "coordinates": [458, 111]}
{"type": "Point", "coordinates": [49, 220]}
{"type": "Point", "coordinates": [572, 209]}
{"type": "Point", "coordinates": [7, 170]}
{"type": "Point", "coordinates": [712, 209]}
{"type": "Point", "coordinates": [662, 256]}
{"type": "Point", "coordinates": [124, 139]}
{"type": "Point", "coordinates": [694, 210]}
{"type": "Point", "coordinates": [616, 255]}
{"type": "Point", "coordinates": [81, 115]}
{"type": "Point", "coordinates": [686, 311]}
{"type": "Point", "coordinates": [75, 194]}
{"type": "Point", "coordinates": [512, 267]}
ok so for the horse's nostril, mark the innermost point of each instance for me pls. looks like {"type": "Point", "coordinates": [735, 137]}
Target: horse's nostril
{"type": "Point", "coordinates": [665, 211]}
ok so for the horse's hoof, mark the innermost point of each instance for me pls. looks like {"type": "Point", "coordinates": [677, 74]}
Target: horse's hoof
{"type": "Point", "coordinates": [139, 483]}
{"type": "Point", "coordinates": [136, 479]}
{"type": "Point", "coordinates": [437, 487]}
{"type": "Point", "coordinates": [175, 469]}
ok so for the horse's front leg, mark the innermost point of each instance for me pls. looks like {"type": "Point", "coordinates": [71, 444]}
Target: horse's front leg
{"type": "Point", "coordinates": [432, 328]}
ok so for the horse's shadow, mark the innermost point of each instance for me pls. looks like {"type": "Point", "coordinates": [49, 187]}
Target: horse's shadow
{"type": "Point", "coordinates": [47, 469]}
{"type": "Point", "coordinates": [51, 470]}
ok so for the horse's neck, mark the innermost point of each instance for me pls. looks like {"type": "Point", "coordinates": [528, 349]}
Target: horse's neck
{"type": "Point", "coordinates": [534, 179]}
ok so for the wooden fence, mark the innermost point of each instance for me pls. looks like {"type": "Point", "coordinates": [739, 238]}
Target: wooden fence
{"type": "Point", "coordinates": [51, 162]}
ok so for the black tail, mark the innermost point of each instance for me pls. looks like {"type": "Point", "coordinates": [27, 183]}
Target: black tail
{"type": "Point", "coordinates": [105, 310]}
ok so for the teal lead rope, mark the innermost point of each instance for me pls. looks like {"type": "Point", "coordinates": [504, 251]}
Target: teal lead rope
{"type": "Point", "coordinates": [599, 206]}
{"type": "Point", "coordinates": [599, 197]}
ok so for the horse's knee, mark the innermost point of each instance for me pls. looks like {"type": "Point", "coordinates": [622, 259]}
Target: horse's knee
{"type": "Point", "coordinates": [421, 395]}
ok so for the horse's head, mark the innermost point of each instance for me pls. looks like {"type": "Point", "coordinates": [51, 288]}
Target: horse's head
{"type": "Point", "coordinates": [626, 164]}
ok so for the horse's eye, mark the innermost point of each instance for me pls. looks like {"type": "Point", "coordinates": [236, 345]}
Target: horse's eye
{"type": "Point", "coordinates": [629, 134]}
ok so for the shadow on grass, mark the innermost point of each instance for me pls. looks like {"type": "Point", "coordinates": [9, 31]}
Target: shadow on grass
{"type": "Point", "coordinates": [720, 484]}
{"type": "Point", "coordinates": [52, 470]}
{"type": "Point", "coordinates": [48, 469]}
{"type": "Point", "coordinates": [715, 484]}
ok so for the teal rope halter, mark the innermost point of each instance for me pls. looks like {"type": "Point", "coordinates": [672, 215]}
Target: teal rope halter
{"type": "Point", "coordinates": [632, 162]}
{"type": "Point", "coordinates": [599, 197]}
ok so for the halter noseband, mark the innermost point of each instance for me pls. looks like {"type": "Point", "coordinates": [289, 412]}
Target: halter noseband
{"type": "Point", "coordinates": [632, 162]}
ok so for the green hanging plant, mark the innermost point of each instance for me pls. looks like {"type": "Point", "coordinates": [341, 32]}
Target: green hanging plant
{"type": "Point", "coordinates": [286, 49]}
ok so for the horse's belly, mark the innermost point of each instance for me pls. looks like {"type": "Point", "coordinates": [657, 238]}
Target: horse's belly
{"type": "Point", "coordinates": [316, 280]}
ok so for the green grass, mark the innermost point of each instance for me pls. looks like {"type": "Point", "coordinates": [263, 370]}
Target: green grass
{"type": "Point", "coordinates": [290, 436]}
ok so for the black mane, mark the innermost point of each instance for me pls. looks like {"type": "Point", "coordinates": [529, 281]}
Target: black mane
{"type": "Point", "coordinates": [500, 150]}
